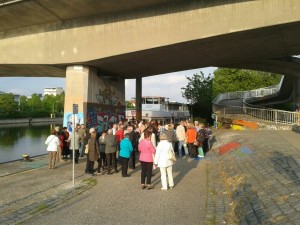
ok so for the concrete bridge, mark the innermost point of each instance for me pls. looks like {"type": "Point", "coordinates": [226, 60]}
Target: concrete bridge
{"type": "Point", "coordinates": [98, 44]}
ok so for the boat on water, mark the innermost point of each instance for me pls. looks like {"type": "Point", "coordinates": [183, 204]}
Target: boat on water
{"type": "Point", "coordinates": [160, 109]}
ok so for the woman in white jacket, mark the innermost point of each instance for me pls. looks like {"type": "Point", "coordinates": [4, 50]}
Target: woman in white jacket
{"type": "Point", "coordinates": [52, 142]}
{"type": "Point", "coordinates": [161, 160]}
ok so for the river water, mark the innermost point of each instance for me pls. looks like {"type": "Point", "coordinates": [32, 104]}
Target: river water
{"type": "Point", "coordinates": [18, 140]}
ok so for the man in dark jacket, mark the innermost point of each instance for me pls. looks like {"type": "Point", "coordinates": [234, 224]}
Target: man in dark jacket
{"type": "Point", "coordinates": [110, 150]}
{"type": "Point", "coordinates": [133, 139]}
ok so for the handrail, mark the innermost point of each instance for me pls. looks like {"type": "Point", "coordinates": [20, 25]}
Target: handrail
{"type": "Point", "coordinates": [271, 115]}
{"type": "Point", "coordinates": [260, 92]}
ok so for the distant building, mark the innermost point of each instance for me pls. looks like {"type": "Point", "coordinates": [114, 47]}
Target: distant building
{"type": "Point", "coordinates": [53, 91]}
{"type": "Point", "coordinates": [40, 96]}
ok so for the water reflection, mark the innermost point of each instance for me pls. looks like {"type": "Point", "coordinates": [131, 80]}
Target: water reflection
{"type": "Point", "coordinates": [15, 141]}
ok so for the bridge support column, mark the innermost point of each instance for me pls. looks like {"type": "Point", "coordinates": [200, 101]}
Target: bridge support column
{"type": "Point", "coordinates": [138, 98]}
{"type": "Point", "coordinates": [100, 99]}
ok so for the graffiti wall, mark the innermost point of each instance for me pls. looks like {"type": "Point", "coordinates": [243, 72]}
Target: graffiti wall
{"type": "Point", "coordinates": [70, 120]}
{"type": "Point", "coordinates": [102, 118]}
{"type": "Point", "coordinates": [108, 105]}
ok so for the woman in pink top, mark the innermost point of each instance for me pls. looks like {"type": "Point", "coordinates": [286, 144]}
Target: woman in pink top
{"type": "Point", "coordinates": [147, 151]}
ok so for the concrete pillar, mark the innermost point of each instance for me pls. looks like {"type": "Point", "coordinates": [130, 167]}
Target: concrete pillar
{"type": "Point", "coordinates": [100, 99]}
{"type": "Point", "coordinates": [138, 98]}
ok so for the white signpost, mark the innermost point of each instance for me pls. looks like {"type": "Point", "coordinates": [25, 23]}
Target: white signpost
{"type": "Point", "coordinates": [75, 111]}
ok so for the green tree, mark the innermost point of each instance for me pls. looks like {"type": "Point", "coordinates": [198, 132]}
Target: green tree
{"type": "Point", "coordinates": [35, 106]}
{"type": "Point", "coordinates": [23, 105]}
{"type": "Point", "coordinates": [54, 104]}
{"type": "Point", "coordinates": [230, 80]}
{"type": "Point", "coordinates": [129, 105]}
{"type": "Point", "coordinates": [8, 105]}
{"type": "Point", "coordinates": [199, 93]}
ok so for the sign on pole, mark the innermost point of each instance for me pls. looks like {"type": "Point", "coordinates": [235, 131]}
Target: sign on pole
{"type": "Point", "coordinates": [75, 108]}
{"type": "Point", "coordinates": [75, 111]}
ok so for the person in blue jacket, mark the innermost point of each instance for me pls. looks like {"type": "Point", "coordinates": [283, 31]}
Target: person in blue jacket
{"type": "Point", "coordinates": [125, 151]}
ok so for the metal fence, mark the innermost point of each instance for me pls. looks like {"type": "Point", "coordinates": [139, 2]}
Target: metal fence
{"type": "Point", "coordinates": [261, 92]}
{"type": "Point", "coordinates": [250, 111]}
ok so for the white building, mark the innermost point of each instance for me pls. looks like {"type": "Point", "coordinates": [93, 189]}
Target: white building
{"type": "Point", "coordinates": [53, 91]}
{"type": "Point", "coordinates": [161, 109]}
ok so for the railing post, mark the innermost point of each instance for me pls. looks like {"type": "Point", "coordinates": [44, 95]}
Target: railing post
{"type": "Point", "coordinates": [276, 116]}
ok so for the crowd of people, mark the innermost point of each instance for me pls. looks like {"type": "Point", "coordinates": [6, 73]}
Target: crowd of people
{"type": "Point", "coordinates": [155, 145]}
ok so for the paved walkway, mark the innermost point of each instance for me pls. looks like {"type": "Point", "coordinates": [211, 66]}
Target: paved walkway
{"type": "Point", "coordinates": [43, 196]}
{"type": "Point", "coordinates": [255, 183]}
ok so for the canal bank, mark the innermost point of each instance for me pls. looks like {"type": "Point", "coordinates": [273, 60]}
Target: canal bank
{"type": "Point", "coordinates": [255, 183]}
{"type": "Point", "coordinates": [26, 121]}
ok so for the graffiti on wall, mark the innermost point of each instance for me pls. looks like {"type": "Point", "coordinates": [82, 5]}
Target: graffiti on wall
{"type": "Point", "coordinates": [104, 119]}
{"type": "Point", "coordinates": [69, 120]}
{"type": "Point", "coordinates": [107, 96]}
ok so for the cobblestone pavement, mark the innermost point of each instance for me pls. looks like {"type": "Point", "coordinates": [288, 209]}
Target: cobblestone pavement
{"type": "Point", "coordinates": [256, 183]}
{"type": "Point", "coordinates": [43, 196]}
{"type": "Point", "coordinates": [29, 188]}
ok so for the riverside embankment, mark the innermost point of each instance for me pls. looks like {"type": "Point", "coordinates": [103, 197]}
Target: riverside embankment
{"type": "Point", "coordinates": [26, 121]}
{"type": "Point", "coordinates": [254, 182]}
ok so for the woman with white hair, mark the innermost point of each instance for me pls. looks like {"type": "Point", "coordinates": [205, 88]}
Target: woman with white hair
{"type": "Point", "coordinates": [163, 162]}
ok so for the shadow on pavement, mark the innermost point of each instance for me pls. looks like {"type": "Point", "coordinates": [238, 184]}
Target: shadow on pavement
{"type": "Point", "coordinates": [286, 166]}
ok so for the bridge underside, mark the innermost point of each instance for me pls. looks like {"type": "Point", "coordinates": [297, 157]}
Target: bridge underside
{"type": "Point", "coordinates": [267, 49]}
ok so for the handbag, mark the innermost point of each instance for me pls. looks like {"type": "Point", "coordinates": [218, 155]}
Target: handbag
{"type": "Point", "coordinates": [86, 150]}
{"type": "Point", "coordinates": [171, 156]}
{"type": "Point", "coordinates": [196, 143]}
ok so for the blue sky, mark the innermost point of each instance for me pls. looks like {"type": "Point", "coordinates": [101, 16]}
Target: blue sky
{"type": "Point", "coordinates": [166, 85]}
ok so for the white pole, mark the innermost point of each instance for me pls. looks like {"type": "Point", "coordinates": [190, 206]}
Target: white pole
{"type": "Point", "coordinates": [73, 150]}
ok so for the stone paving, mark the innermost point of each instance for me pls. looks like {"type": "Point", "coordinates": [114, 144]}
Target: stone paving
{"type": "Point", "coordinates": [256, 183]}
{"type": "Point", "coordinates": [27, 189]}
{"type": "Point", "coordinates": [37, 196]}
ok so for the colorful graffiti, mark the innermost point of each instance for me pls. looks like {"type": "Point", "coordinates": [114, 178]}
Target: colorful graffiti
{"type": "Point", "coordinates": [69, 119]}
{"type": "Point", "coordinates": [107, 96]}
{"type": "Point", "coordinates": [104, 119]}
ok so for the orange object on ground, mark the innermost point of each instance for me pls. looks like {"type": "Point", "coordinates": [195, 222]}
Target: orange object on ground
{"type": "Point", "coordinates": [227, 147]}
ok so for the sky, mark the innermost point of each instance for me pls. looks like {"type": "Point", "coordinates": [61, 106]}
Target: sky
{"type": "Point", "coordinates": [166, 85]}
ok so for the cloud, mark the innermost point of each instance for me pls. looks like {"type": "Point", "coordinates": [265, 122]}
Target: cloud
{"type": "Point", "coordinates": [165, 85]}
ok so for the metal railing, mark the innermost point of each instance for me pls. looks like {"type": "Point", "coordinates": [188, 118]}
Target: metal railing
{"type": "Point", "coordinates": [251, 112]}
{"type": "Point", "coordinates": [244, 95]}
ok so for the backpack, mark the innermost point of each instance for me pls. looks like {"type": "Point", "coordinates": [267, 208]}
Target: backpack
{"type": "Point", "coordinates": [200, 135]}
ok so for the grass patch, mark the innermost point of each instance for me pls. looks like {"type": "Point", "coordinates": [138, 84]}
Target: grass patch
{"type": "Point", "coordinates": [38, 209]}
{"type": "Point", "coordinates": [90, 181]}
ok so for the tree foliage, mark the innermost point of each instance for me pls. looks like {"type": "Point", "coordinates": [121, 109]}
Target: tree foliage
{"type": "Point", "coordinates": [129, 105]}
{"type": "Point", "coordinates": [199, 93]}
{"type": "Point", "coordinates": [201, 90]}
{"type": "Point", "coordinates": [8, 104]}
{"type": "Point", "coordinates": [230, 80]}
{"type": "Point", "coordinates": [31, 107]}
